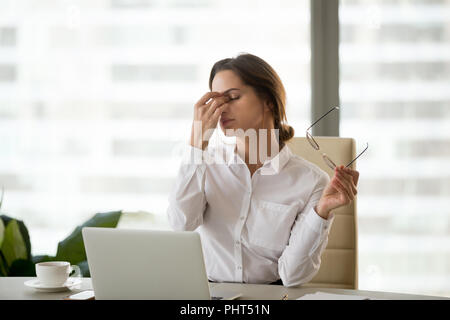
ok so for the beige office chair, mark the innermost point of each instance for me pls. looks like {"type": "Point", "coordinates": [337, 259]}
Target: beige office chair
{"type": "Point", "coordinates": [339, 266]}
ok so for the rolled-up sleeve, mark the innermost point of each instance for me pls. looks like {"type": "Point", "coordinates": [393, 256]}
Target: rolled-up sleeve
{"type": "Point", "coordinates": [187, 201]}
{"type": "Point", "coordinates": [300, 261]}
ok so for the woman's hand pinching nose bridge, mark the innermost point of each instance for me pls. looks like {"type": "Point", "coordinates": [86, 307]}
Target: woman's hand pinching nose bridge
{"type": "Point", "coordinates": [207, 111]}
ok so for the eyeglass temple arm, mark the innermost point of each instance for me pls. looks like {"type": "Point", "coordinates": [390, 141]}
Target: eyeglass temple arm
{"type": "Point", "coordinates": [358, 155]}
{"type": "Point", "coordinates": [322, 117]}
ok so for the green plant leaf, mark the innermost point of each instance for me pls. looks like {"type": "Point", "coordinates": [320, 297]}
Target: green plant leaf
{"type": "Point", "coordinates": [72, 248]}
{"type": "Point", "coordinates": [22, 268]}
{"type": "Point", "coordinates": [3, 266]}
{"type": "Point", "coordinates": [23, 230]}
{"type": "Point", "coordinates": [2, 232]}
{"type": "Point", "coordinates": [13, 246]}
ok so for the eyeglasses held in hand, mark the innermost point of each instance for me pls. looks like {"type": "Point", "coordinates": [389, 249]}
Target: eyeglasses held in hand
{"type": "Point", "coordinates": [315, 145]}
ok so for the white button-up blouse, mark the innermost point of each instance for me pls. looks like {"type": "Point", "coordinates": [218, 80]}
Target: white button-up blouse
{"type": "Point", "coordinates": [255, 229]}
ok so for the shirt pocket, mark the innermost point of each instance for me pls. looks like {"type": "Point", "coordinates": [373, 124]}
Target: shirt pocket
{"type": "Point", "coordinates": [269, 223]}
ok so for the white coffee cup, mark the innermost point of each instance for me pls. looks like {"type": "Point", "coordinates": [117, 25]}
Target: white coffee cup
{"type": "Point", "coordinates": [55, 273]}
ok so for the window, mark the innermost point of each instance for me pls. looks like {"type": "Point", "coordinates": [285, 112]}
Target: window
{"type": "Point", "coordinates": [395, 71]}
{"type": "Point", "coordinates": [96, 98]}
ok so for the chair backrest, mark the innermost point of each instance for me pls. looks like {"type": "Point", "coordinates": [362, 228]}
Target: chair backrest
{"type": "Point", "coordinates": [339, 266]}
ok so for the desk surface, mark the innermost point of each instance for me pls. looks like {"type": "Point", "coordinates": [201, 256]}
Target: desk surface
{"type": "Point", "coordinates": [13, 288]}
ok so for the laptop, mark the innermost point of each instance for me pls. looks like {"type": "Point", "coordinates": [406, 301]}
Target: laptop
{"type": "Point", "coordinates": [148, 264]}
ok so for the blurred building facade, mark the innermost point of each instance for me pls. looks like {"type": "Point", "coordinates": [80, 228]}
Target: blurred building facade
{"type": "Point", "coordinates": [395, 94]}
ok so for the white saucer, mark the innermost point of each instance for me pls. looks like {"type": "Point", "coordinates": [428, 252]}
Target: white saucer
{"type": "Point", "coordinates": [36, 284]}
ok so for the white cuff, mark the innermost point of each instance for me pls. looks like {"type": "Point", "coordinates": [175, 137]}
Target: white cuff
{"type": "Point", "coordinates": [317, 223]}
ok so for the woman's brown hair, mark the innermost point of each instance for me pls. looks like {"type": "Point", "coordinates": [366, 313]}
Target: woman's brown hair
{"type": "Point", "coordinates": [258, 74]}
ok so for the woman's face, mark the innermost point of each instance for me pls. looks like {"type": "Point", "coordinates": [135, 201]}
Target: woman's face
{"type": "Point", "coordinates": [245, 110]}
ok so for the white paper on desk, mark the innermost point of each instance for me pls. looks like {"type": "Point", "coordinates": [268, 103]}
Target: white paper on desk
{"type": "Point", "coordinates": [330, 296]}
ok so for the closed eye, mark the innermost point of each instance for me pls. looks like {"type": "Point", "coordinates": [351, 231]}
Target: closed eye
{"type": "Point", "coordinates": [234, 98]}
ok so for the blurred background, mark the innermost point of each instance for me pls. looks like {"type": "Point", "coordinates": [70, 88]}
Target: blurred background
{"type": "Point", "coordinates": [97, 96]}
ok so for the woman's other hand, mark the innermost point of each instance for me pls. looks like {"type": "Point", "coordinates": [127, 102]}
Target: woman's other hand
{"type": "Point", "coordinates": [340, 191]}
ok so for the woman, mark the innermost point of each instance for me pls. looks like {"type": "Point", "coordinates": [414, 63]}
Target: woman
{"type": "Point", "coordinates": [262, 216]}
